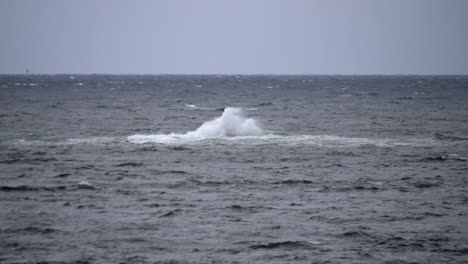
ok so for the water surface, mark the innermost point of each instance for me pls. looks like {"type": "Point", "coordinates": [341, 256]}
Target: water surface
{"type": "Point", "coordinates": [313, 169]}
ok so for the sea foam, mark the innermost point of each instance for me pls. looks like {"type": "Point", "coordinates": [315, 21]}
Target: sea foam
{"type": "Point", "coordinates": [232, 123]}
{"type": "Point", "coordinates": [233, 127]}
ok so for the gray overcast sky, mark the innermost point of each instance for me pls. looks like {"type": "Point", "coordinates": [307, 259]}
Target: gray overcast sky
{"type": "Point", "coordinates": [231, 37]}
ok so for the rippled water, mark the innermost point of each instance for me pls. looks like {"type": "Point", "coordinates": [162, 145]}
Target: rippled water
{"type": "Point", "coordinates": [346, 169]}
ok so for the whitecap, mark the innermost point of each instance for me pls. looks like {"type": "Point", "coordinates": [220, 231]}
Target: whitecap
{"type": "Point", "coordinates": [192, 106]}
{"type": "Point", "coordinates": [232, 123]}
{"type": "Point", "coordinates": [232, 127]}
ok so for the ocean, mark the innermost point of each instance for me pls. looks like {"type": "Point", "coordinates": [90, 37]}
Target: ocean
{"type": "Point", "coordinates": [233, 169]}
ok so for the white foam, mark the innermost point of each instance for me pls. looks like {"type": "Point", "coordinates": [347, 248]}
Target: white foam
{"type": "Point", "coordinates": [288, 140]}
{"type": "Point", "coordinates": [233, 127]}
{"type": "Point", "coordinates": [85, 185]}
{"type": "Point", "coordinates": [70, 141]}
{"type": "Point", "coordinates": [199, 108]}
{"type": "Point", "coordinates": [93, 140]}
{"type": "Point", "coordinates": [232, 123]}
{"type": "Point", "coordinates": [163, 139]}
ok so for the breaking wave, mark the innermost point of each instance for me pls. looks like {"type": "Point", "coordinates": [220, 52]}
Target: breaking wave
{"type": "Point", "coordinates": [233, 126]}
{"type": "Point", "coordinates": [232, 123]}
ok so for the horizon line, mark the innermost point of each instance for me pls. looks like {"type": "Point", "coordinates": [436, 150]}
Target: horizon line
{"type": "Point", "coordinates": [243, 74]}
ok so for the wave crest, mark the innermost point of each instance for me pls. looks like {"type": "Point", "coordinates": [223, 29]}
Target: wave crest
{"type": "Point", "coordinates": [232, 123]}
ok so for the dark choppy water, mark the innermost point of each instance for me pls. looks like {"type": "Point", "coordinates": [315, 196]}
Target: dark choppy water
{"type": "Point", "coordinates": [347, 170]}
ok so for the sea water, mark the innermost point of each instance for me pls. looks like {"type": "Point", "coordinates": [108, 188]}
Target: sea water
{"type": "Point", "coordinates": [222, 169]}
